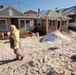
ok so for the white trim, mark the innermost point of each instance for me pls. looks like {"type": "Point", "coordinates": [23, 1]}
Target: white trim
{"type": "Point", "coordinates": [6, 25]}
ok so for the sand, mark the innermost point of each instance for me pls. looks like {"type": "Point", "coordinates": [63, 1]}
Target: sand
{"type": "Point", "coordinates": [41, 58]}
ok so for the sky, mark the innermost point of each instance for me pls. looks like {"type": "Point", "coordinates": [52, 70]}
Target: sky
{"type": "Point", "coordinates": [25, 5]}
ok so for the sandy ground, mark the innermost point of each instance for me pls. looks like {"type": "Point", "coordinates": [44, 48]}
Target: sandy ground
{"type": "Point", "coordinates": [41, 58]}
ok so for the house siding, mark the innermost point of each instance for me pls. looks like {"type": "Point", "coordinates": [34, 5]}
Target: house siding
{"type": "Point", "coordinates": [4, 12]}
{"type": "Point", "coordinates": [54, 27]}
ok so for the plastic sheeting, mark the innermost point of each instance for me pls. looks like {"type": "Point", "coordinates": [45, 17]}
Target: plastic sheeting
{"type": "Point", "coordinates": [51, 38]}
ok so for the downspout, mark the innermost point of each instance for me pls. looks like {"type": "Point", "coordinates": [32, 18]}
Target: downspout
{"type": "Point", "coordinates": [75, 19]}
{"type": "Point", "coordinates": [67, 24]}
{"type": "Point", "coordinates": [46, 25]}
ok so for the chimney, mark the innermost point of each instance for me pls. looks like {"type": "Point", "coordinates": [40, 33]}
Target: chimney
{"type": "Point", "coordinates": [1, 6]}
{"type": "Point", "coordinates": [38, 10]}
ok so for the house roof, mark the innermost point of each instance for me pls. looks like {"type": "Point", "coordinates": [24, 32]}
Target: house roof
{"type": "Point", "coordinates": [12, 8]}
{"type": "Point", "coordinates": [51, 14]}
{"type": "Point", "coordinates": [30, 12]}
{"type": "Point", "coordinates": [67, 10]}
{"type": "Point", "coordinates": [8, 10]}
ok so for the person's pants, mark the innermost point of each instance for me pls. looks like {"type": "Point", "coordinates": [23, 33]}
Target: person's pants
{"type": "Point", "coordinates": [18, 53]}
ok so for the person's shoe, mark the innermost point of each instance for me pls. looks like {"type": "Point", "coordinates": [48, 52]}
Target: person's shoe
{"type": "Point", "coordinates": [16, 59]}
{"type": "Point", "coordinates": [22, 58]}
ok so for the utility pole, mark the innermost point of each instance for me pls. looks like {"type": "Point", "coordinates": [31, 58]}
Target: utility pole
{"type": "Point", "coordinates": [20, 6]}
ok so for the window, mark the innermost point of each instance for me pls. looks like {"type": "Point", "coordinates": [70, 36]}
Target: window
{"type": "Point", "coordinates": [27, 23]}
{"type": "Point", "coordinates": [10, 11]}
{"type": "Point", "coordinates": [52, 22]}
{"type": "Point", "coordinates": [3, 25]}
{"type": "Point", "coordinates": [22, 23]}
{"type": "Point", "coordinates": [64, 22]}
{"type": "Point", "coordinates": [72, 19]}
{"type": "Point", "coordinates": [39, 25]}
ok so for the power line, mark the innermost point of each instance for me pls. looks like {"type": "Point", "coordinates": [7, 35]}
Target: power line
{"type": "Point", "coordinates": [20, 3]}
{"type": "Point", "coordinates": [29, 5]}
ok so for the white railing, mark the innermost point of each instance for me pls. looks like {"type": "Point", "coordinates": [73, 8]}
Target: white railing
{"type": "Point", "coordinates": [71, 24]}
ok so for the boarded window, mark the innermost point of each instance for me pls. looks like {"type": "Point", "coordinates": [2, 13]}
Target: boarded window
{"type": "Point", "coordinates": [2, 24]}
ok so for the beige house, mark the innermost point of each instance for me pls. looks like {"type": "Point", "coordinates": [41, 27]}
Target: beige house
{"type": "Point", "coordinates": [51, 21]}
{"type": "Point", "coordinates": [9, 15]}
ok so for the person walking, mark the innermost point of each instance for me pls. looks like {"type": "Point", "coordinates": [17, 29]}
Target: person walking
{"type": "Point", "coordinates": [15, 41]}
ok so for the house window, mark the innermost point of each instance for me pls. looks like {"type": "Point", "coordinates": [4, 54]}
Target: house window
{"type": "Point", "coordinates": [3, 25]}
{"type": "Point", "coordinates": [27, 24]}
{"type": "Point", "coordinates": [22, 23]}
{"type": "Point", "coordinates": [52, 22]}
{"type": "Point", "coordinates": [64, 22]}
{"type": "Point", "coordinates": [39, 25]}
{"type": "Point", "coordinates": [10, 12]}
{"type": "Point", "coordinates": [72, 19]}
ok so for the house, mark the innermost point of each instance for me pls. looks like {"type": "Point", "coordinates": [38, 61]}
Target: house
{"type": "Point", "coordinates": [32, 14]}
{"type": "Point", "coordinates": [9, 15]}
{"type": "Point", "coordinates": [70, 12]}
{"type": "Point", "coordinates": [51, 20]}
{"type": "Point", "coordinates": [43, 22]}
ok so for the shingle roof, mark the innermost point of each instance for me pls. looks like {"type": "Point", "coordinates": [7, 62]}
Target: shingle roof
{"type": "Point", "coordinates": [30, 12]}
{"type": "Point", "coordinates": [50, 14]}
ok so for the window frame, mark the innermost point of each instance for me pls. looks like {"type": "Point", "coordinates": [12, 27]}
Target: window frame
{"type": "Point", "coordinates": [5, 25]}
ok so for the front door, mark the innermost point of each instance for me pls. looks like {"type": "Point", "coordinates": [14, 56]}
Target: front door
{"type": "Point", "coordinates": [43, 27]}
{"type": "Point", "coordinates": [15, 22]}
{"type": "Point", "coordinates": [58, 26]}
